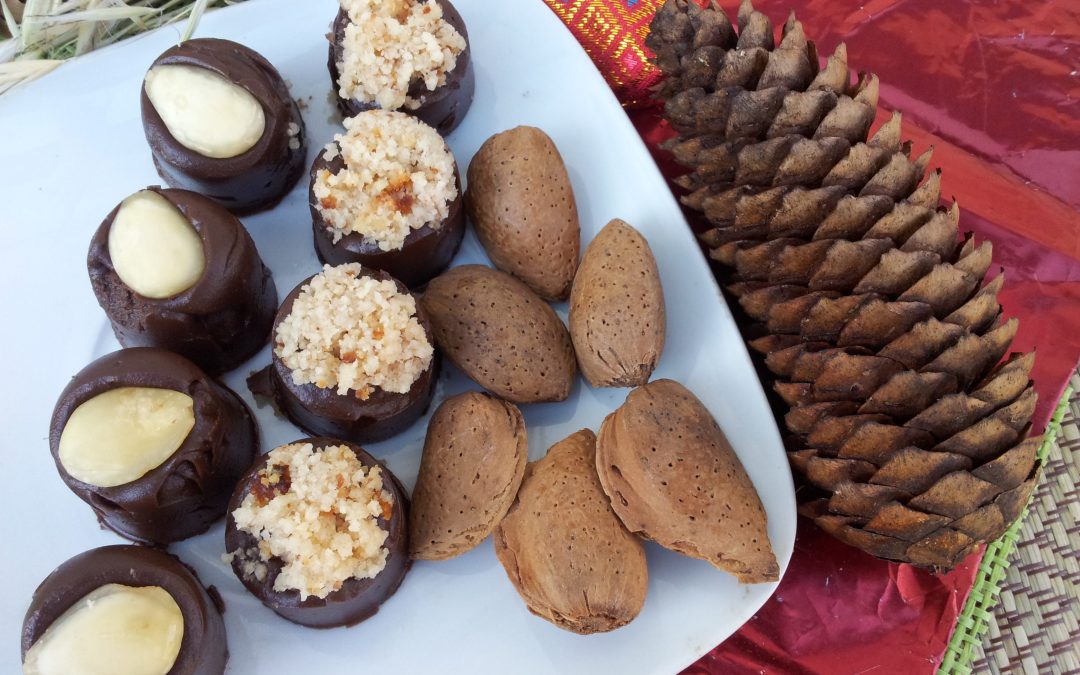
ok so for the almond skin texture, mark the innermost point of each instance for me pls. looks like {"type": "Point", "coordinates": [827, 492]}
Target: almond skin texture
{"type": "Point", "coordinates": [501, 334]}
{"type": "Point", "coordinates": [522, 204]}
{"type": "Point", "coordinates": [617, 309]}
{"type": "Point", "coordinates": [673, 477]}
{"type": "Point", "coordinates": [473, 462]}
{"type": "Point", "coordinates": [565, 551]}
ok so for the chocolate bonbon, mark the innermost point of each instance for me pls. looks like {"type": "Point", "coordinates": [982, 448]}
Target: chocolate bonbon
{"type": "Point", "coordinates": [151, 443]}
{"type": "Point", "coordinates": [379, 58]}
{"type": "Point", "coordinates": [142, 265]}
{"type": "Point", "coordinates": [124, 610]}
{"type": "Point", "coordinates": [353, 356]}
{"type": "Point", "coordinates": [387, 194]}
{"type": "Point", "coordinates": [327, 566]}
{"type": "Point", "coordinates": [221, 121]}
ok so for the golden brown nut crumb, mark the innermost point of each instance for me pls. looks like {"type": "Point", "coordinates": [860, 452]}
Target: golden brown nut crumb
{"type": "Point", "coordinates": [354, 332]}
{"type": "Point", "coordinates": [321, 520]}
{"type": "Point", "coordinates": [398, 176]}
{"type": "Point", "coordinates": [389, 44]}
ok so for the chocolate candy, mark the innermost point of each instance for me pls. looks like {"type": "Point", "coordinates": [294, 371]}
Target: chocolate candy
{"type": "Point", "coordinates": [443, 108]}
{"type": "Point", "coordinates": [225, 158]}
{"type": "Point", "coordinates": [142, 392]}
{"type": "Point", "coordinates": [218, 322]}
{"type": "Point", "coordinates": [426, 252]}
{"type": "Point", "coordinates": [323, 411]}
{"type": "Point", "coordinates": [202, 650]}
{"type": "Point", "coordinates": [354, 599]}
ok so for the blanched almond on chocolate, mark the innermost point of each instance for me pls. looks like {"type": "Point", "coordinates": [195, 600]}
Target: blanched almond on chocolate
{"type": "Point", "coordinates": [617, 309]}
{"type": "Point", "coordinates": [673, 477]}
{"type": "Point", "coordinates": [228, 120]}
{"type": "Point", "coordinates": [114, 628]}
{"type": "Point", "coordinates": [154, 248]}
{"type": "Point", "coordinates": [501, 334]}
{"type": "Point", "coordinates": [565, 551]}
{"type": "Point", "coordinates": [522, 204]}
{"type": "Point", "coordinates": [474, 458]}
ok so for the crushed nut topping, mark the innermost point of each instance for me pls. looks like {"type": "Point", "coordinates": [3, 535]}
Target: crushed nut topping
{"type": "Point", "coordinates": [350, 331]}
{"type": "Point", "coordinates": [323, 526]}
{"type": "Point", "coordinates": [389, 45]}
{"type": "Point", "coordinates": [271, 483]}
{"type": "Point", "coordinates": [398, 176]}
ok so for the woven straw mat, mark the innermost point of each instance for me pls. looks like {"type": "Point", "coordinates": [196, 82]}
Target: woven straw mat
{"type": "Point", "coordinates": [1036, 626]}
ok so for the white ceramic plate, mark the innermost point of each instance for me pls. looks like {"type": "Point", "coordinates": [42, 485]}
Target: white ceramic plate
{"type": "Point", "coordinates": [73, 148]}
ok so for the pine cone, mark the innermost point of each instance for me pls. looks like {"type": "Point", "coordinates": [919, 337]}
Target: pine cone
{"type": "Point", "coordinates": [868, 309]}
{"type": "Point", "coordinates": [741, 87]}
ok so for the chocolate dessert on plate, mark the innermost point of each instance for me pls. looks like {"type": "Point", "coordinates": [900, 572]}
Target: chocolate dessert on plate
{"type": "Point", "coordinates": [220, 120]}
{"type": "Point", "coordinates": [151, 443]}
{"type": "Point", "coordinates": [387, 194]}
{"type": "Point", "coordinates": [382, 56]}
{"type": "Point", "coordinates": [124, 610]}
{"type": "Point", "coordinates": [317, 530]}
{"type": "Point", "coordinates": [173, 269]}
{"type": "Point", "coordinates": [353, 356]}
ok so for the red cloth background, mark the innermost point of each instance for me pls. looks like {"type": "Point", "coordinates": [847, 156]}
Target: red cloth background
{"type": "Point", "coordinates": [995, 88]}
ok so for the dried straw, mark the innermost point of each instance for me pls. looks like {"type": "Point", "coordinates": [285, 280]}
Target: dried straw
{"type": "Point", "coordinates": [36, 36]}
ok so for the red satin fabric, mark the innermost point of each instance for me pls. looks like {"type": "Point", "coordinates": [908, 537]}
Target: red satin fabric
{"type": "Point", "coordinates": [994, 87]}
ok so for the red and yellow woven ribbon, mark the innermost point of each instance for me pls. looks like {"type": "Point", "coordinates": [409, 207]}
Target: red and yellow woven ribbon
{"type": "Point", "coordinates": [613, 33]}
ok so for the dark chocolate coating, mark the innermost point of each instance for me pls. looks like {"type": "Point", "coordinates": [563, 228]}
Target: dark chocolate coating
{"type": "Point", "coordinates": [203, 649]}
{"type": "Point", "coordinates": [324, 412]}
{"type": "Point", "coordinates": [188, 492]}
{"type": "Point", "coordinates": [427, 251]}
{"type": "Point", "coordinates": [256, 179]}
{"type": "Point", "coordinates": [357, 599]}
{"type": "Point", "coordinates": [218, 323]}
{"type": "Point", "coordinates": [443, 108]}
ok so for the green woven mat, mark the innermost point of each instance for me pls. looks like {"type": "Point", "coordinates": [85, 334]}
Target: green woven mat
{"type": "Point", "coordinates": [1033, 571]}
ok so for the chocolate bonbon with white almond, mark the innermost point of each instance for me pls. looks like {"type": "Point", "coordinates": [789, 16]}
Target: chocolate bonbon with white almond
{"type": "Point", "coordinates": [124, 610]}
{"type": "Point", "coordinates": [151, 443]}
{"type": "Point", "coordinates": [173, 269]}
{"type": "Point", "coordinates": [221, 121]}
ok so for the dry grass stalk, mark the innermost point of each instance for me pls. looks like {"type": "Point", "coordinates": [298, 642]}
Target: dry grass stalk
{"type": "Point", "coordinates": [36, 36]}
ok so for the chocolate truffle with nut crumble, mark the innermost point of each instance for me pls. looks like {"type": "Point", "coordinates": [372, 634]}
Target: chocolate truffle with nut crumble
{"type": "Point", "coordinates": [317, 530]}
{"type": "Point", "coordinates": [408, 55]}
{"type": "Point", "coordinates": [353, 356]}
{"type": "Point", "coordinates": [387, 194]}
